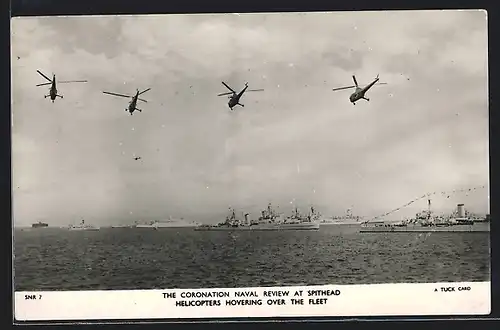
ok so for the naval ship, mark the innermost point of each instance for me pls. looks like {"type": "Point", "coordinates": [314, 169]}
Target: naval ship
{"type": "Point", "coordinates": [347, 219]}
{"type": "Point", "coordinates": [123, 226]}
{"type": "Point", "coordinates": [39, 224]}
{"type": "Point", "coordinates": [83, 226]}
{"type": "Point", "coordinates": [170, 223]}
{"type": "Point", "coordinates": [270, 220]}
{"type": "Point", "coordinates": [425, 221]}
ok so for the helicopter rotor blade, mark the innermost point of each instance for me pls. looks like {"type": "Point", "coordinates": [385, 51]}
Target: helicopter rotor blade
{"type": "Point", "coordinates": [40, 73]}
{"type": "Point", "coordinates": [142, 100]}
{"type": "Point", "coordinates": [144, 91]}
{"type": "Point", "coordinates": [355, 81]}
{"type": "Point", "coordinates": [341, 88]}
{"type": "Point", "coordinates": [255, 90]}
{"type": "Point", "coordinates": [44, 84]}
{"type": "Point", "coordinates": [228, 93]}
{"type": "Point", "coordinates": [116, 94]}
{"type": "Point", "coordinates": [228, 87]}
{"type": "Point", "coordinates": [72, 81]}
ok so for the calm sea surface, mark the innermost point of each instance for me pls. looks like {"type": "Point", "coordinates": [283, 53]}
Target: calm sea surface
{"type": "Point", "coordinates": [58, 259]}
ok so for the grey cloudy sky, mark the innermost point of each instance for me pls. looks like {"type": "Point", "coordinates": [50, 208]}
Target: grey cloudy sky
{"type": "Point", "coordinates": [296, 142]}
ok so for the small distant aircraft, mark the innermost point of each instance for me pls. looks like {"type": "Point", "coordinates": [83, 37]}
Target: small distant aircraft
{"type": "Point", "coordinates": [132, 106]}
{"type": "Point", "coordinates": [234, 99]}
{"type": "Point", "coordinates": [53, 90]}
{"type": "Point", "coordinates": [359, 93]}
{"type": "Point", "coordinates": [137, 158]}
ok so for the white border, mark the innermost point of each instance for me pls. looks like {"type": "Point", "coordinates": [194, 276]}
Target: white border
{"type": "Point", "coordinates": [354, 300]}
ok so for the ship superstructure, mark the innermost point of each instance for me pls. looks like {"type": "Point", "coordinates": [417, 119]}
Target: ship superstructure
{"type": "Point", "coordinates": [83, 226]}
{"type": "Point", "coordinates": [347, 219]}
{"type": "Point", "coordinates": [460, 220]}
{"type": "Point", "coordinates": [170, 223]}
{"type": "Point", "coordinates": [40, 224]}
{"type": "Point", "coordinates": [269, 219]}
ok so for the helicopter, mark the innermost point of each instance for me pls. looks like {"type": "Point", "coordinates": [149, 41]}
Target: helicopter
{"type": "Point", "coordinates": [53, 89]}
{"type": "Point", "coordinates": [359, 93]}
{"type": "Point", "coordinates": [137, 158]}
{"type": "Point", "coordinates": [132, 106]}
{"type": "Point", "coordinates": [234, 98]}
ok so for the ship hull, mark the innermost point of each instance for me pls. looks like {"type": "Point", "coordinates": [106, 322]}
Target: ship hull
{"type": "Point", "coordinates": [262, 227]}
{"type": "Point", "coordinates": [475, 228]}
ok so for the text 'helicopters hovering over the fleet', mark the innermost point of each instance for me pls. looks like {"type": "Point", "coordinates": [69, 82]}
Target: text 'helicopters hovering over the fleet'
{"type": "Point", "coordinates": [132, 106]}
{"type": "Point", "coordinates": [53, 88]}
{"type": "Point", "coordinates": [359, 93]}
{"type": "Point", "coordinates": [234, 98]}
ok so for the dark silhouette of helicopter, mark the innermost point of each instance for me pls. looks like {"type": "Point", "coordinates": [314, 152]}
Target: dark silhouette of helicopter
{"type": "Point", "coordinates": [132, 106]}
{"type": "Point", "coordinates": [53, 89]}
{"type": "Point", "coordinates": [137, 158]}
{"type": "Point", "coordinates": [234, 99]}
{"type": "Point", "coordinates": [359, 93]}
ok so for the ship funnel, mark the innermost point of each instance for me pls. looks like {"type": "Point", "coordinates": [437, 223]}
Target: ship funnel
{"type": "Point", "coordinates": [460, 211]}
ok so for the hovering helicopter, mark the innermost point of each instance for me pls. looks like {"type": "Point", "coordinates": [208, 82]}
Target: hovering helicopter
{"type": "Point", "coordinates": [137, 158]}
{"type": "Point", "coordinates": [234, 98]}
{"type": "Point", "coordinates": [359, 93]}
{"type": "Point", "coordinates": [53, 89]}
{"type": "Point", "coordinates": [132, 106]}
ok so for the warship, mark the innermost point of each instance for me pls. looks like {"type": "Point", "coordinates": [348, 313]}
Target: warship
{"type": "Point", "coordinates": [425, 221]}
{"type": "Point", "coordinates": [40, 224]}
{"type": "Point", "coordinates": [123, 226]}
{"type": "Point", "coordinates": [347, 219]}
{"type": "Point", "coordinates": [83, 226]}
{"type": "Point", "coordinates": [270, 220]}
{"type": "Point", "coordinates": [170, 223]}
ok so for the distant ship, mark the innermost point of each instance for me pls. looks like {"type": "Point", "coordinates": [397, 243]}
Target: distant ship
{"type": "Point", "coordinates": [170, 223]}
{"type": "Point", "coordinates": [347, 219]}
{"type": "Point", "coordinates": [123, 226]}
{"type": "Point", "coordinates": [268, 221]}
{"type": "Point", "coordinates": [39, 225]}
{"type": "Point", "coordinates": [83, 226]}
{"type": "Point", "coordinates": [425, 221]}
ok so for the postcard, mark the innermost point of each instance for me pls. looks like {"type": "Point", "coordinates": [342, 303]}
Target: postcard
{"type": "Point", "coordinates": [203, 166]}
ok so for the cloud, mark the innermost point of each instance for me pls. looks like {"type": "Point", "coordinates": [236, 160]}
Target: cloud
{"type": "Point", "coordinates": [295, 142]}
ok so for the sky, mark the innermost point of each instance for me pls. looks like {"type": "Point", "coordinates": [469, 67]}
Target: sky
{"type": "Point", "coordinates": [297, 143]}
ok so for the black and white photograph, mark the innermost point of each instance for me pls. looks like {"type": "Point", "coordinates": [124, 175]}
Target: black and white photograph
{"type": "Point", "coordinates": [250, 150]}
